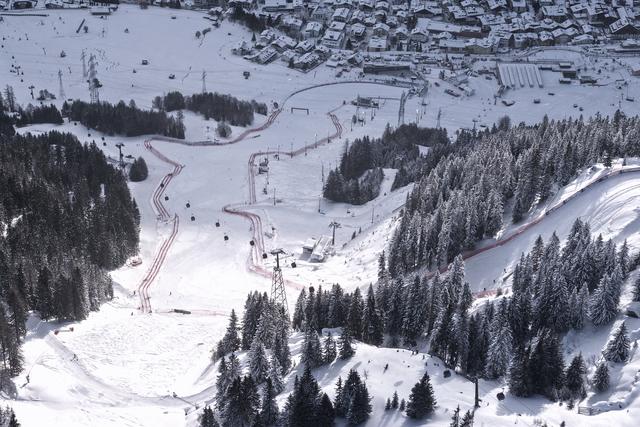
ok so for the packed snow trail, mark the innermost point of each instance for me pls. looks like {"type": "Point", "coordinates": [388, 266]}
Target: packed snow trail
{"type": "Point", "coordinates": [164, 216]}
{"type": "Point", "coordinates": [523, 228]}
{"type": "Point", "coordinates": [258, 249]}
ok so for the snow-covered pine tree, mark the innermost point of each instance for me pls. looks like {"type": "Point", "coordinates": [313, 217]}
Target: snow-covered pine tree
{"type": "Point", "coordinates": [222, 382]}
{"type": "Point", "coordinates": [231, 341]}
{"type": "Point", "coordinates": [602, 304]}
{"type": "Point", "coordinates": [330, 349]}
{"type": "Point", "coordinates": [354, 317]}
{"type": "Point", "coordinates": [461, 338]}
{"type": "Point", "coordinates": [208, 418]}
{"type": "Point", "coordinates": [340, 404]}
{"type": "Point", "coordinates": [337, 315]}
{"type": "Point", "coordinates": [546, 364]}
{"type": "Point", "coordinates": [581, 308]}
{"type": "Point", "coordinates": [575, 378]}
{"type": "Point", "coordinates": [310, 314]}
{"type": "Point", "coordinates": [242, 403]}
{"type": "Point", "coordinates": [258, 361]}
{"type": "Point", "coordinates": [499, 351]}
{"type": "Point", "coordinates": [345, 348]}
{"type": "Point", "coordinates": [467, 419]}
{"type": "Point", "coordinates": [600, 378]}
{"type": "Point", "coordinates": [298, 312]}
{"type": "Point", "coordinates": [371, 321]}
{"type": "Point", "coordinates": [394, 400]}
{"type": "Point", "coordinates": [393, 320]}
{"type": "Point", "coordinates": [266, 329]}
{"type": "Point", "coordinates": [274, 376]}
{"type": "Point", "coordinates": [311, 350]}
{"type": "Point", "coordinates": [421, 400]}
{"type": "Point", "coordinates": [617, 349]}
{"type": "Point", "coordinates": [269, 412]}
{"type": "Point", "coordinates": [359, 405]}
{"type": "Point", "coordinates": [302, 404]}
{"type": "Point", "coordinates": [326, 413]}
{"type": "Point", "coordinates": [519, 381]}
{"type": "Point", "coordinates": [455, 418]}
{"type": "Point", "coordinates": [281, 349]}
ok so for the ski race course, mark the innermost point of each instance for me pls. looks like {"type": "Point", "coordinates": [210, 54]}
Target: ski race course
{"type": "Point", "coordinates": [163, 216]}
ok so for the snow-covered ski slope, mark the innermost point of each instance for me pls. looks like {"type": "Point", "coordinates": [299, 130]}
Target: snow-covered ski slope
{"type": "Point", "coordinates": [129, 364]}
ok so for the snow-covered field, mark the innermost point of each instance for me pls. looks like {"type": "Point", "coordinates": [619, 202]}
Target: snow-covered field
{"type": "Point", "coordinates": [130, 364]}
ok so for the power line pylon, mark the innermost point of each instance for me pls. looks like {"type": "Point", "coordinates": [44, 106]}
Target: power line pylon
{"type": "Point", "coordinates": [61, 89]}
{"type": "Point", "coordinates": [278, 294]}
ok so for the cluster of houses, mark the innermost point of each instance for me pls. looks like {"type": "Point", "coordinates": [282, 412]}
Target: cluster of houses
{"type": "Point", "coordinates": [455, 26]}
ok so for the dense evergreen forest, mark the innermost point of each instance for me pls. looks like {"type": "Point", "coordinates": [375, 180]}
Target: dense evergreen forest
{"type": "Point", "coordinates": [358, 177]}
{"type": "Point", "coordinates": [66, 218]}
{"type": "Point", "coordinates": [39, 114]}
{"type": "Point", "coordinates": [123, 119]}
{"type": "Point", "coordinates": [464, 196]}
{"type": "Point", "coordinates": [222, 108]}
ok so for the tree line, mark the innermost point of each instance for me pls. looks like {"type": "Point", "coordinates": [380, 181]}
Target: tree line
{"type": "Point", "coordinates": [66, 219]}
{"type": "Point", "coordinates": [358, 177]}
{"type": "Point", "coordinates": [463, 197]}
{"type": "Point", "coordinates": [123, 119]}
{"type": "Point", "coordinates": [249, 398]}
{"type": "Point", "coordinates": [222, 108]}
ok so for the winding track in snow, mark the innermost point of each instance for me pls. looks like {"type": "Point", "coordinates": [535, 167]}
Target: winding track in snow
{"type": "Point", "coordinates": [110, 392]}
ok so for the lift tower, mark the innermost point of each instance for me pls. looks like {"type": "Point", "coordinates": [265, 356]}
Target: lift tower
{"type": "Point", "coordinates": [278, 294]}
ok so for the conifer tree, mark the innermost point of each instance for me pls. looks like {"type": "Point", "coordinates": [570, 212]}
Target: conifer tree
{"type": "Point", "coordinates": [138, 170]}
{"type": "Point", "coordinates": [298, 313]}
{"type": "Point", "coordinates": [421, 400]}
{"type": "Point", "coordinates": [326, 413]}
{"type": "Point", "coordinates": [269, 411]}
{"type": "Point", "coordinates": [617, 349]}
{"type": "Point", "coordinates": [467, 419]}
{"type": "Point", "coordinates": [455, 418]}
{"type": "Point", "coordinates": [242, 403]}
{"type": "Point", "coordinates": [302, 403]}
{"type": "Point", "coordinates": [258, 361]}
{"type": "Point", "coordinates": [208, 418]}
{"type": "Point", "coordinates": [600, 378]}
{"type": "Point", "coordinates": [274, 376]}
{"type": "Point", "coordinates": [359, 406]}
{"type": "Point", "coordinates": [603, 305]}
{"type": "Point", "coordinates": [311, 350]}
{"type": "Point", "coordinates": [330, 349]}
{"type": "Point", "coordinates": [231, 341]}
{"type": "Point", "coordinates": [354, 318]}
{"type": "Point", "coordinates": [519, 381]}
{"type": "Point", "coordinates": [371, 321]}
{"type": "Point", "coordinates": [344, 344]}
{"type": "Point", "coordinates": [222, 382]}
{"type": "Point", "coordinates": [575, 377]}
{"type": "Point", "coordinates": [499, 351]}
{"type": "Point", "coordinates": [394, 400]}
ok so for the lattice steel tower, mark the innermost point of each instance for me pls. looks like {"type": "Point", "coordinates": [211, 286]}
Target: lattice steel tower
{"type": "Point", "coordinates": [278, 294]}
